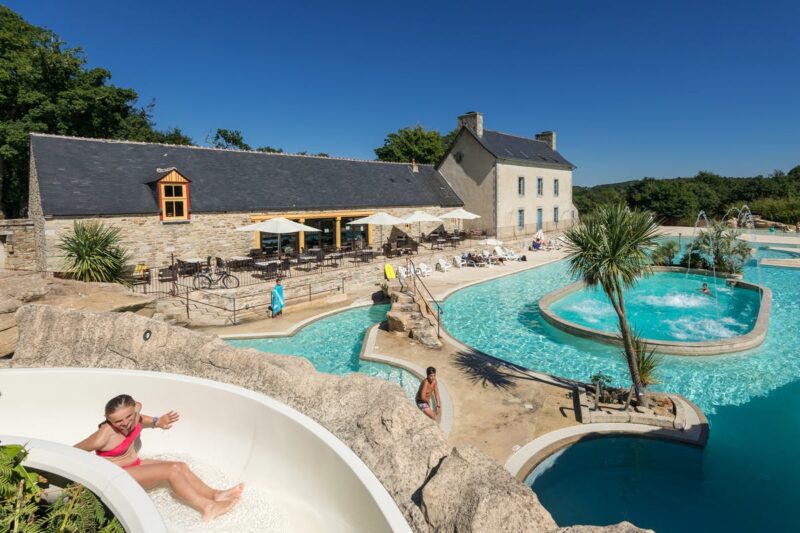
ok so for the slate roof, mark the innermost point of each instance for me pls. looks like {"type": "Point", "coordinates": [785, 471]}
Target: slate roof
{"type": "Point", "coordinates": [100, 177]}
{"type": "Point", "coordinates": [511, 147]}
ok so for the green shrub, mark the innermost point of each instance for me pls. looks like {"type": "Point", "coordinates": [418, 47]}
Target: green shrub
{"type": "Point", "coordinates": [665, 253]}
{"type": "Point", "coordinates": [92, 253]}
{"type": "Point", "coordinates": [22, 509]}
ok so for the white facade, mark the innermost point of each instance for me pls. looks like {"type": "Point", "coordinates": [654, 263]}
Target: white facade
{"type": "Point", "coordinates": [530, 198]}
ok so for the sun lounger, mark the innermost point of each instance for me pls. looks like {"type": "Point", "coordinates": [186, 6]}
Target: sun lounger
{"type": "Point", "coordinates": [424, 270]}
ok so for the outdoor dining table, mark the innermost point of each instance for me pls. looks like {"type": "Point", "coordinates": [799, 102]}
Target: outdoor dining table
{"type": "Point", "coordinates": [454, 240]}
{"type": "Point", "coordinates": [267, 262]}
{"type": "Point", "coordinates": [440, 242]}
{"type": "Point", "coordinates": [239, 258]}
{"type": "Point", "coordinates": [365, 255]}
{"type": "Point", "coordinates": [335, 258]}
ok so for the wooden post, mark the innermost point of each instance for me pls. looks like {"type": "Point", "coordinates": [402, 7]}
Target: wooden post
{"type": "Point", "coordinates": [301, 237]}
{"type": "Point", "coordinates": [369, 234]}
{"type": "Point", "coordinates": [338, 236]}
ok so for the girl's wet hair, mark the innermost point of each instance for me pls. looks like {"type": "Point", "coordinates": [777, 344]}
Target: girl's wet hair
{"type": "Point", "coordinates": [118, 402]}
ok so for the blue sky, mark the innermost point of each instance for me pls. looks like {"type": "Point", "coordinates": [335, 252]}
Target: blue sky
{"type": "Point", "coordinates": [632, 88]}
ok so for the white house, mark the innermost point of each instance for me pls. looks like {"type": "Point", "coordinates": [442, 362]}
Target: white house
{"type": "Point", "coordinates": [516, 184]}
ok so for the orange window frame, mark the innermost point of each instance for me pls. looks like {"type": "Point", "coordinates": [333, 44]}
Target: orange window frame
{"type": "Point", "coordinates": [183, 199]}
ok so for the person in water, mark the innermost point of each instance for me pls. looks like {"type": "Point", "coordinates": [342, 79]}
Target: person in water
{"type": "Point", "coordinates": [428, 386]}
{"type": "Point", "coordinates": [705, 289]}
{"type": "Point", "coordinates": [116, 440]}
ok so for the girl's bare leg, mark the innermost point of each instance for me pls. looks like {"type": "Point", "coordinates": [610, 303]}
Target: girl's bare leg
{"type": "Point", "coordinates": [152, 474]}
{"type": "Point", "coordinates": [198, 483]}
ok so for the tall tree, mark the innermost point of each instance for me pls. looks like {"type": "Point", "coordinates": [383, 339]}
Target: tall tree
{"type": "Point", "coordinates": [608, 248]}
{"type": "Point", "coordinates": [45, 87]}
{"type": "Point", "coordinates": [229, 139]}
{"type": "Point", "coordinates": [412, 143]}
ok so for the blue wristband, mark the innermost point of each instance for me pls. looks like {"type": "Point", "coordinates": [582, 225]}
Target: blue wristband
{"type": "Point", "coordinates": [155, 422]}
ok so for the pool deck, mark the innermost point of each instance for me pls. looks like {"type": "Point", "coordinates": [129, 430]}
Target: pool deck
{"type": "Point", "coordinates": [499, 408]}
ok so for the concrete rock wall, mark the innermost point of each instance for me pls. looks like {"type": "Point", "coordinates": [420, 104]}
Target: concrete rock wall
{"type": "Point", "coordinates": [436, 487]}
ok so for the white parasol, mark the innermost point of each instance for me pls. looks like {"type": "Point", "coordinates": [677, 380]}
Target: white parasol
{"type": "Point", "coordinates": [379, 219]}
{"type": "Point", "coordinates": [277, 225]}
{"type": "Point", "coordinates": [419, 217]}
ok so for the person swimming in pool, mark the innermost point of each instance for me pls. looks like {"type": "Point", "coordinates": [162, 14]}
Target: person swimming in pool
{"type": "Point", "coordinates": [705, 289]}
{"type": "Point", "coordinates": [428, 386]}
{"type": "Point", "coordinates": [117, 439]}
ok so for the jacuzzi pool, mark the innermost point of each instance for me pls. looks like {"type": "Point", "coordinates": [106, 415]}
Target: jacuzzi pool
{"type": "Point", "coordinates": [314, 479]}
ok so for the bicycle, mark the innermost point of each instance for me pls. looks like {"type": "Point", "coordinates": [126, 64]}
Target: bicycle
{"type": "Point", "coordinates": [207, 279]}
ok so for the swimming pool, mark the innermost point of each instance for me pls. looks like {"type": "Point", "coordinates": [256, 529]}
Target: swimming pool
{"type": "Point", "coordinates": [743, 480]}
{"type": "Point", "coordinates": [668, 306]}
{"type": "Point", "coordinates": [333, 345]}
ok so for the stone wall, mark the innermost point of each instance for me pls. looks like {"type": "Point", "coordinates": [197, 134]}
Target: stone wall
{"type": "Point", "coordinates": [150, 241]}
{"type": "Point", "coordinates": [17, 244]}
{"type": "Point", "coordinates": [438, 488]}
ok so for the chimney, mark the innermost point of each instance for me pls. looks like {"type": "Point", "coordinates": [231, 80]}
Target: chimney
{"type": "Point", "coordinates": [473, 120]}
{"type": "Point", "coordinates": [548, 137]}
{"type": "Point", "coordinates": [414, 167]}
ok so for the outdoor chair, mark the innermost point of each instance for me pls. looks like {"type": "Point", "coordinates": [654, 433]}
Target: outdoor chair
{"type": "Point", "coordinates": [458, 261]}
{"type": "Point", "coordinates": [167, 274]}
{"type": "Point", "coordinates": [424, 270]}
{"type": "Point", "coordinates": [442, 265]}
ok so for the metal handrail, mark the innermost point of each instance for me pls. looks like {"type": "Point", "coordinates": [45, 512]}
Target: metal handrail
{"type": "Point", "coordinates": [412, 269]}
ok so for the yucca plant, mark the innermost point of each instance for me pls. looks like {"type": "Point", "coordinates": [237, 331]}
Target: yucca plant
{"type": "Point", "coordinates": [92, 252]}
{"type": "Point", "coordinates": [647, 360]}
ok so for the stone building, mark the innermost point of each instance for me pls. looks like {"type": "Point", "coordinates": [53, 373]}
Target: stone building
{"type": "Point", "coordinates": [517, 185]}
{"type": "Point", "coordinates": [186, 201]}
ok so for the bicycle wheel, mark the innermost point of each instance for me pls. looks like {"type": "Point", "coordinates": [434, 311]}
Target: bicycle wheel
{"type": "Point", "coordinates": [230, 282]}
{"type": "Point", "coordinates": [201, 281]}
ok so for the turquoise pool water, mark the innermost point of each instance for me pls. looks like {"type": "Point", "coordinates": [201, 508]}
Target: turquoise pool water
{"type": "Point", "coordinates": [668, 306]}
{"type": "Point", "coordinates": [744, 480]}
{"type": "Point", "coordinates": [333, 345]}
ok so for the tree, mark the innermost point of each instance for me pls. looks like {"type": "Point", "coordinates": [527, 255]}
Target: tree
{"type": "Point", "coordinates": [665, 252]}
{"type": "Point", "coordinates": [92, 252]}
{"type": "Point", "coordinates": [45, 87]}
{"type": "Point", "coordinates": [230, 140]}
{"type": "Point", "coordinates": [412, 143]}
{"type": "Point", "coordinates": [269, 150]}
{"type": "Point", "coordinates": [608, 248]}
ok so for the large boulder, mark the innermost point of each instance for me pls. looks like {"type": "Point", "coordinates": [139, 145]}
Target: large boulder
{"type": "Point", "coordinates": [471, 493]}
{"type": "Point", "coordinates": [18, 288]}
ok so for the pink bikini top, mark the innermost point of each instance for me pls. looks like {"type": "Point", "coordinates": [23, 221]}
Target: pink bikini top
{"type": "Point", "coordinates": [124, 445]}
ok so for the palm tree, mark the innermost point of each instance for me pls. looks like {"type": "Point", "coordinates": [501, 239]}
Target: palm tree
{"type": "Point", "coordinates": [608, 248]}
{"type": "Point", "coordinates": [664, 254]}
{"type": "Point", "coordinates": [721, 244]}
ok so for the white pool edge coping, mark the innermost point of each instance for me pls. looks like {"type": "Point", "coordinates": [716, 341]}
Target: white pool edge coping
{"type": "Point", "coordinates": [525, 460]}
{"type": "Point", "coordinates": [126, 499]}
{"type": "Point", "coordinates": [386, 504]}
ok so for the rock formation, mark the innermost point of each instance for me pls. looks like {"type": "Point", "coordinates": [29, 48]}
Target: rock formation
{"type": "Point", "coordinates": [21, 287]}
{"type": "Point", "coordinates": [436, 487]}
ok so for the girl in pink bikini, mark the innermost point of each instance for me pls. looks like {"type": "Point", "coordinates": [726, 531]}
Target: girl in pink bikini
{"type": "Point", "coordinates": [117, 439]}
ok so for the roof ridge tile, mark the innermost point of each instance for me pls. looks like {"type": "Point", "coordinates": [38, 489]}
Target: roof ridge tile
{"type": "Point", "coordinates": [211, 148]}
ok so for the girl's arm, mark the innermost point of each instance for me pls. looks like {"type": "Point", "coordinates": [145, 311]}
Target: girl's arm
{"type": "Point", "coordinates": [93, 442]}
{"type": "Point", "coordinates": [164, 421]}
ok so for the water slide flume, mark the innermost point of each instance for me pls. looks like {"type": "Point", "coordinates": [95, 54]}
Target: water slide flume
{"type": "Point", "coordinates": [316, 481]}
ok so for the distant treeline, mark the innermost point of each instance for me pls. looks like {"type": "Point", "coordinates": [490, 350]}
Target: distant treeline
{"type": "Point", "coordinates": [677, 201]}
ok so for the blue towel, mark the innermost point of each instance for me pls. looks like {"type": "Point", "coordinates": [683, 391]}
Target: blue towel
{"type": "Point", "coordinates": [277, 299]}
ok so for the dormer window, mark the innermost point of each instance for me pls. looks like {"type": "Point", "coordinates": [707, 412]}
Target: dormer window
{"type": "Point", "coordinates": [173, 194]}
